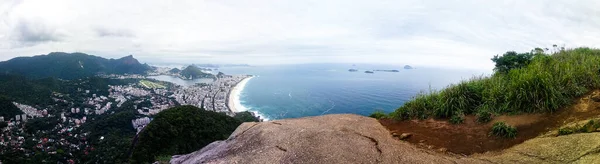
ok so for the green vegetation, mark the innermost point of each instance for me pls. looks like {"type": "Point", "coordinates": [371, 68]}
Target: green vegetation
{"type": "Point", "coordinates": [195, 72]}
{"type": "Point", "coordinates": [502, 129]}
{"type": "Point", "coordinates": [71, 66]}
{"type": "Point", "coordinates": [246, 116]}
{"type": "Point", "coordinates": [484, 116]}
{"type": "Point", "coordinates": [589, 127]}
{"type": "Point", "coordinates": [150, 84]}
{"type": "Point", "coordinates": [8, 109]}
{"type": "Point", "coordinates": [522, 83]}
{"type": "Point", "coordinates": [512, 60]}
{"type": "Point", "coordinates": [111, 135]}
{"type": "Point", "coordinates": [378, 115]}
{"type": "Point", "coordinates": [40, 91]}
{"type": "Point", "coordinates": [163, 159]}
{"type": "Point", "coordinates": [181, 130]}
{"type": "Point", "coordinates": [457, 119]}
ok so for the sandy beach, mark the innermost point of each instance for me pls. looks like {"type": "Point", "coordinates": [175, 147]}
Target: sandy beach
{"type": "Point", "coordinates": [234, 96]}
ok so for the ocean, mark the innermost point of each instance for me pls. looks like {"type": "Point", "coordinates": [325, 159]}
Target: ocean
{"type": "Point", "coordinates": [292, 91]}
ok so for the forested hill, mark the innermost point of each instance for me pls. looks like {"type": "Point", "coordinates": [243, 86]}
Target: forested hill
{"type": "Point", "coordinates": [71, 66]}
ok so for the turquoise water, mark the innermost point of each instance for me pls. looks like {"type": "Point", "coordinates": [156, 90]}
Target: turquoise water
{"type": "Point", "coordinates": [291, 91]}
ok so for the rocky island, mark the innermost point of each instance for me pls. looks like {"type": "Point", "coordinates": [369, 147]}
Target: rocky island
{"type": "Point", "coordinates": [387, 70]}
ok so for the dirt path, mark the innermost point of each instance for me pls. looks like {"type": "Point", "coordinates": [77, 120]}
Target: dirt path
{"type": "Point", "coordinates": [472, 137]}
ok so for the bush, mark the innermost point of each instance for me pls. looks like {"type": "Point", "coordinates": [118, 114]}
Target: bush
{"type": "Point", "coordinates": [502, 129]}
{"type": "Point", "coordinates": [246, 116]}
{"type": "Point", "coordinates": [457, 119]}
{"type": "Point", "coordinates": [484, 116]}
{"type": "Point", "coordinates": [378, 115]}
{"type": "Point", "coordinates": [565, 131]}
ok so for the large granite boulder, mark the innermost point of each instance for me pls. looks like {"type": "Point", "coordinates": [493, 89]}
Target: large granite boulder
{"type": "Point", "coordinates": [343, 138]}
{"type": "Point", "coordinates": [346, 138]}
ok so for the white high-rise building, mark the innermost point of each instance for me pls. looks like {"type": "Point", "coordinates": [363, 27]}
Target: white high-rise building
{"type": "Point", "coordinates": [24, 117]}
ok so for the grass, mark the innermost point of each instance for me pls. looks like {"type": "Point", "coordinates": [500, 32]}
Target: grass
{"type": "Point", "coordinates": [150, 84]}
{"type": "Point", "coordinates": [502, 129]}
{"type": "Point", "coordinates": [590, 126]}
{"type": "Point", "coordinates": [546, 84]}
{"type": "Point", "coordinates": [457, 119]}
{"type": "Point", "coordinates": [378, 115]}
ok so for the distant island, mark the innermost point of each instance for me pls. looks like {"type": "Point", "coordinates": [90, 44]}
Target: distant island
{"type": "Point", "coordinates": [369, 72]}
{"type": "Point", "coordinates": [384, 70]}
{"type": "Point", "coordinates": [352, 70]}
{"type": "Point", "coordinates": [408, 67]}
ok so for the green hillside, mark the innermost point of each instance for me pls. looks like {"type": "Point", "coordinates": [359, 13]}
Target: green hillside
{"type": "Point", "coordinates": [7, 108]}
{"type": "Point", "coordinates": [70, 66]}
{"type": "Point", "coordinates": [522, 83]}
{"type": "Point", "coordinates": [195, 72]}
{"type": "Point", "coordinates": [181, 130]}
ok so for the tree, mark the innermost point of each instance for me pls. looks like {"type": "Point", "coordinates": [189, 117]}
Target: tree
{"type": "Point", "coordinates": [537, 51]}
{"type": "Point", "coordinates": [511, 60]}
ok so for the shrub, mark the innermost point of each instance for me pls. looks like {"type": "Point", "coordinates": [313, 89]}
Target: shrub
{"type": "Point", "coordinates": [378, 115]}
{"type": "Point", "coordinates": [502, 129]}
{"type": "Point", "coordinates": [457, 119]}
{"type": "Point", "coordinates": [565, 131]}
{"type": "Point", "coordinates": [401, 113]}
{"type": "Point", "coordinates": [484, 116]}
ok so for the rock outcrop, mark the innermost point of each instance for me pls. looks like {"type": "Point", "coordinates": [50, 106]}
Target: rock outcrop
{"type": "Point", "coordinates": [341, 138]}
{"type": "Point", "coordinates": [574, 148]}
{"type": "Point", "coordinates": [347, 138]}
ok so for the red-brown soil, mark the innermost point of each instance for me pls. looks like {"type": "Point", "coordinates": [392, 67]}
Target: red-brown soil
{"type": "Point", "coordinates": [472, 137]}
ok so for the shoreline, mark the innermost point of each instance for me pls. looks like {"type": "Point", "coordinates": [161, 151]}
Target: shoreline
{"type": "Point", "coordinates": [234, 96]}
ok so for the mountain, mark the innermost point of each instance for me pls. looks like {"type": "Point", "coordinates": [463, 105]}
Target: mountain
{"type": "Point", "coordinates": [175, 70]}
{"type": "Point", "coordinates": [71, 66]}
{"type": "Point", "coordinates": [193, 72]}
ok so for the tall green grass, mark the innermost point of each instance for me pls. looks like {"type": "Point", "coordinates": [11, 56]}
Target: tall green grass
{"type": "Point", "coordinates": [546, 84]}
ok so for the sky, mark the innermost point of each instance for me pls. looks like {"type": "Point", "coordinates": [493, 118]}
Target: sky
{"type": "Point", "coordinates": [437, 33]}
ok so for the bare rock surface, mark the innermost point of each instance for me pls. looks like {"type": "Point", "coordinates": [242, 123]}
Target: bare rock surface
{"type": "Point", "coordinates": [574, 148]}
{"type": "Point", "coordinates": [347, 138]}
{"type": "Point", "coordinates": [342, 138]}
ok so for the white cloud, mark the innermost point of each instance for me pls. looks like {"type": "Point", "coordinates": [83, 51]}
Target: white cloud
{"type": "Point", "coordinates": [446, 33]}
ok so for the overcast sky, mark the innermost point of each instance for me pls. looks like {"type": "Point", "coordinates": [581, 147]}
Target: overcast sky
{"type": "Point", "coordinates": [445, 33]}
